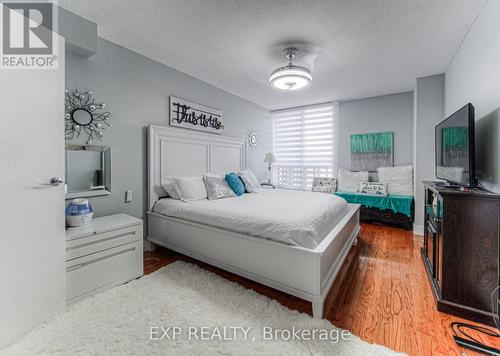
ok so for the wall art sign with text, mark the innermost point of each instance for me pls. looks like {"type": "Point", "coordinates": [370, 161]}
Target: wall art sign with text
{"type": "Point", "coordinates": [194, 116]}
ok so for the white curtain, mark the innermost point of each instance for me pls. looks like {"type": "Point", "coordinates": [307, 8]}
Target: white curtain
{"type": "Point", "coordinates": [305, 144]}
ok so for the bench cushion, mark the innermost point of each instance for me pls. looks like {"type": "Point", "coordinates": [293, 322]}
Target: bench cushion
{"type": "Point", "coordinates": [397, 203]}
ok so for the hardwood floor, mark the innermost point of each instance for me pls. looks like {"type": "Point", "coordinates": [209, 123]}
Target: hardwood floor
{"type": "Point", "coordinates": [381, 294]}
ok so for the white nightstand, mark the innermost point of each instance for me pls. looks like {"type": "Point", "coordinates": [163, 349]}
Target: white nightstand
{"type": "Point", "coordinates": [103, 254]}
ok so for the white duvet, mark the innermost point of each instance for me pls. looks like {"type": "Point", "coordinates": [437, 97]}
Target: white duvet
{"type": "Point", "coordinates": [294, 217]}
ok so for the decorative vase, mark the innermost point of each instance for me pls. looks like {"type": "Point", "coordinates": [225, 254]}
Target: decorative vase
{"type": "Point", "coordinates": [78, 212]}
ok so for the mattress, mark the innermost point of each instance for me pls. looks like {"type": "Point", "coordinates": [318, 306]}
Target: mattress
{"type": "Point", "coordinates": [293, 217]}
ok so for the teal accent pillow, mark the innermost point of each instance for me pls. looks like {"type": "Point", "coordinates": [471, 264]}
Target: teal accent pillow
{"type": "Point", "coordinates": [235, 182]}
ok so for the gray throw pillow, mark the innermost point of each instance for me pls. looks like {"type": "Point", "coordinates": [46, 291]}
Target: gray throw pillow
{"type": "Point", "coordinates": [217, 187]}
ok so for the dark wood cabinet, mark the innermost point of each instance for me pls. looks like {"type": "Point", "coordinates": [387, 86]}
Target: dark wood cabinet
{"type": "Point", "coordinates": [461, 250]}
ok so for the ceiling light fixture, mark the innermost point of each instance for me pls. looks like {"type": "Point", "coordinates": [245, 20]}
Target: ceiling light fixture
{"type": "Point", "coordinates": [290, 77]}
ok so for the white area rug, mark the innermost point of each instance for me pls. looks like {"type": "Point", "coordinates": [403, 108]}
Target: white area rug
{"type": "Point", "coordinates": [182, 295]}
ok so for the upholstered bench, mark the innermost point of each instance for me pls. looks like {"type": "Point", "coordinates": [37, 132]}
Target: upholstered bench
{"type": "Point", "coordinates": [389, 209]}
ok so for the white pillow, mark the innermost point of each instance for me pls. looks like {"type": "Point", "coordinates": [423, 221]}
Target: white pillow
{"type": "Point", "coordinates": [349, 181]}
{"type": "Point", "coordinates": [399, 179]}
{"type": "Point", "coordinates": [373, 188]}
{"type": "Point", "coordinates": [190, 189]}
{"type": "Point", "coordinates": [217, 187]}
{"type": "Point", "coordinates": [252, 185]}
{"type": "Point", "coordinates": [169, 186]}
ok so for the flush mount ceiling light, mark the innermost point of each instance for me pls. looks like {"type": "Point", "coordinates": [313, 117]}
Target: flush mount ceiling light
{"type": "Point", "coordinates": [290, 77]}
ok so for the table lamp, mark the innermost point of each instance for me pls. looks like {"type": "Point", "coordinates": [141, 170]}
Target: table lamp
{"type": "Point", "coordinates": [269, 159]}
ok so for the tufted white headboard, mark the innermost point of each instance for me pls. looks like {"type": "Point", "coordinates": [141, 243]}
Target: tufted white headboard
{"type": "Point", "coordinates": [180, 152]}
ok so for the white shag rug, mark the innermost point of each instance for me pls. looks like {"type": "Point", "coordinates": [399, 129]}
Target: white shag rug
{"type": "Point", "coordinates": [128, 320]}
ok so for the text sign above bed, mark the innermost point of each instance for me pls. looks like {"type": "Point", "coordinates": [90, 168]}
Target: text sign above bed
{"type": "Point", "coordinates": [194, 116]}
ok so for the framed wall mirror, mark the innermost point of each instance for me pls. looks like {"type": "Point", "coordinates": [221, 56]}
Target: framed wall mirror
{"type": "Point", "coordinates": [88, 171]}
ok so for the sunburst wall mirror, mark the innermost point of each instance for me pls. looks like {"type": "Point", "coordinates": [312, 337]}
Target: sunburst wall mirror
{"type": "Point", "coordinates": [84, 116]}
{"type": "Point", "coordinates": [252, 139]}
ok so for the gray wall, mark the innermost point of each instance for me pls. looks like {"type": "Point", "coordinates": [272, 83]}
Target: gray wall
{"type": "Point", "coordinates": [80, 34]}
{"type": "Point", "coordinates": [428, 112]}
{"type": "Point", "coordinates": [381, 113]}
{"type": "Point", "coordinates": [474, 76]}
{"type": "Point", "coordinates": [136, 91]}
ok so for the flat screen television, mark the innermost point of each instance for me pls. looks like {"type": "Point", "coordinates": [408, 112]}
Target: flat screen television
{"type": "Point", "coordinates": [455, 150]}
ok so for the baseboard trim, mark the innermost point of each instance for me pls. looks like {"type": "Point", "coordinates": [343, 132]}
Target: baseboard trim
{"type": "Point", "coordinates": [418, 229]}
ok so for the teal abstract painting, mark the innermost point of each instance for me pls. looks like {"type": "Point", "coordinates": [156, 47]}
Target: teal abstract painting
{"type": "Point", "coordinates": [373, 150]}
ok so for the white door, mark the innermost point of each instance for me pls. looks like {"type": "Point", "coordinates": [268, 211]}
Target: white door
{"type": "Point", "coordinates": [31, 217]}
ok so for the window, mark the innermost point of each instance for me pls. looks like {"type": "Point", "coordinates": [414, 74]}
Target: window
{"type": "Point", "coordinates": [305, 144]}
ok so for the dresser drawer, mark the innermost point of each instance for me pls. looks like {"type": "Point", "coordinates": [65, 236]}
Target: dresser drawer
{"type": "Point", "coordinates": [88, 245]}
{"type": "Point", "coordinates": [91, 273]}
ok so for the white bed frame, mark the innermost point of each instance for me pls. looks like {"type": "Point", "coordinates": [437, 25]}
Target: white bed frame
{"type": "Point", "coordinates": [302, 272]}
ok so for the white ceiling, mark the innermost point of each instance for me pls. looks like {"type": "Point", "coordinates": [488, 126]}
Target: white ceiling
{"type": "Point", "coordinates": [355, 48]}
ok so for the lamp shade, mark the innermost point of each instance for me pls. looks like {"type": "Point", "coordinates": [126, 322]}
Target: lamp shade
{"type": "Point", "coordinates": [269, 158]}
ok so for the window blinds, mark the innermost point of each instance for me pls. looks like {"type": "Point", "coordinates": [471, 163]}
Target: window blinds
{"type": "Point", "coordinates": [305, 144]}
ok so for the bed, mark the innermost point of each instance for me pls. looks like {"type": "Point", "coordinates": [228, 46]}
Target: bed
{"type": "Point", "coordinates": [292, 241]}
{"type": "Point", "coordinates": [296, 218]}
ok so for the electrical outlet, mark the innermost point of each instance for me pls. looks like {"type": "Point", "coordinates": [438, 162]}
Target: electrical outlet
{"type": "Point", "coordinates": [128, 196]}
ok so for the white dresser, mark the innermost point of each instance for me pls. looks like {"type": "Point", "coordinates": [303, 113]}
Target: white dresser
{"type": "Point", "coordinates": [103, 254]}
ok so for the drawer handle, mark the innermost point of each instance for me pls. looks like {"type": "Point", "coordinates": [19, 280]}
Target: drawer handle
{"type": "Point", "coordinates": [74, 268]}
{"type": "Point", "coordinates": [81, 265]}
{"type": "Point", "coordinates": [102, 240]}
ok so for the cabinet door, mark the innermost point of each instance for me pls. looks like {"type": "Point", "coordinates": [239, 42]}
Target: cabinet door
{"type": "Point", "coordinates": [470, 250]}
{"type": "Point", "coordinates": [438, 243]}
{"type": "Point", "coordinates": [430, 237]}
{"type": "Point", "coordinates": [438, 269]}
